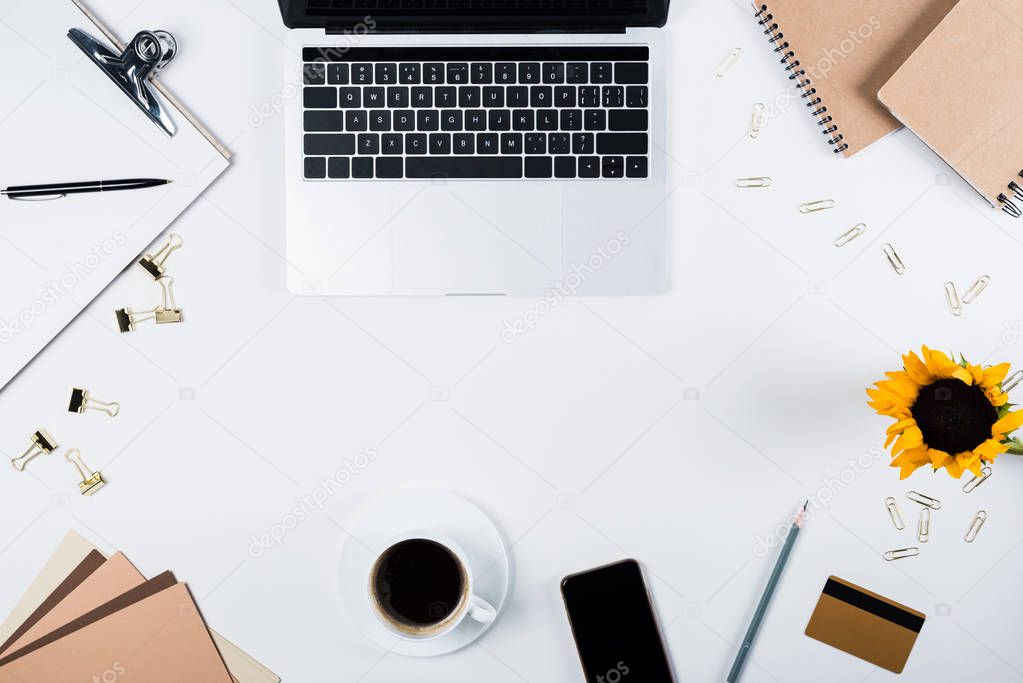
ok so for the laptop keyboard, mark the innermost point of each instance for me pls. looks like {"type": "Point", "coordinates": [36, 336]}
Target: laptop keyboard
{"type": "Point", "coordinates": [476, 113]}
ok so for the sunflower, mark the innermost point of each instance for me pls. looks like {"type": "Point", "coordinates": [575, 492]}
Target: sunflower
{"type": "Point", "coordinates": [947, 415]}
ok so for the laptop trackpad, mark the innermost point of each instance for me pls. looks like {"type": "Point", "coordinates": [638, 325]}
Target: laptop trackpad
{"type": "Point", "coordinates": [477, 237]}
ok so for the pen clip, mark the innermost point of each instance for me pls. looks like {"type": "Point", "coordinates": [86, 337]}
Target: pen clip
{"type": "Point", "coordinates": [37, 198]}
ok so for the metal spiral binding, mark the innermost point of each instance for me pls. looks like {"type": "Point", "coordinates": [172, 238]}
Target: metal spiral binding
{"type": "Point", "coordinates": [1009, 206]}
{"type": "Point", "coordinates": [792, 65]}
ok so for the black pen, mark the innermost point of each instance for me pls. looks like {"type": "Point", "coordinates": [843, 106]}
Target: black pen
{"type": "Point", "coordinates": [58, 190]}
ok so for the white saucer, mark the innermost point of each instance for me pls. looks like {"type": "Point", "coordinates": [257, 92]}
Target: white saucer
{"type": "Point", "coordinates": [434, 510]}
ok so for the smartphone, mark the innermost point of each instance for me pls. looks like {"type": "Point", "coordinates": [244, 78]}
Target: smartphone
{"type": "Point", "coordinates": [614, 625]}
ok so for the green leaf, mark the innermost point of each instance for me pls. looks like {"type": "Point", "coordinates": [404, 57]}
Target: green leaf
{"type": "Point", "coordinates": [1015, 446]}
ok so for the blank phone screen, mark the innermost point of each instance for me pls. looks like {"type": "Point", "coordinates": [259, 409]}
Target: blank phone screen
{"type": "Point", "coordinates": [614, 626]}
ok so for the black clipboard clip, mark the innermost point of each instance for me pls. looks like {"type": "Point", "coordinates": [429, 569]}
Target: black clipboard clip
{"type": "Point", "coordinates": [144, 57]}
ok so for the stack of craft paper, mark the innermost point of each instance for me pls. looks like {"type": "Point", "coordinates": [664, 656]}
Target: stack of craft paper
{"type": "Point", "coordinates": [90, 617]}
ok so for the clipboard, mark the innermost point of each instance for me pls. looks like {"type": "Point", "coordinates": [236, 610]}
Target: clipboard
{"type": "Point", "coordinates": [63, 120]}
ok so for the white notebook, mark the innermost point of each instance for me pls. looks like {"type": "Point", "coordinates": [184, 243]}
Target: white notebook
{"type": "Point", "coordinates": [63, 120]}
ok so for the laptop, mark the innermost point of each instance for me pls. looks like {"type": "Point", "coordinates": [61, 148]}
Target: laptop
{"type": "Point", "coordinates": [475, 147]}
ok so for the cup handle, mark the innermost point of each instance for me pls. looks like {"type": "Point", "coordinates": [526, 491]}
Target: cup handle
{"type": "Point", "coordinates": [482, 611]}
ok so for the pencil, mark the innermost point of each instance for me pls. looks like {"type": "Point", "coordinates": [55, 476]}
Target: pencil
{"type": "Point", "coordinates": [765, 599]}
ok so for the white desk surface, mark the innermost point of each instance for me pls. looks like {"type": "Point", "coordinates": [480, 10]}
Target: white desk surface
{"type": "Point", "coordinates": [677, 429]}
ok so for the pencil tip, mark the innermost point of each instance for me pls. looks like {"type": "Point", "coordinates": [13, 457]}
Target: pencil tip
{"type": "Point", "coordinates": [806, 504]}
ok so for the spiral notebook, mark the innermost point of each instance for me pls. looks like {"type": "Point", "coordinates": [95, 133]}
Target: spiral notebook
{"type": "Point", "coordinates": [972, 113]}
{"type": "Point", "coordinates": [839, 54]}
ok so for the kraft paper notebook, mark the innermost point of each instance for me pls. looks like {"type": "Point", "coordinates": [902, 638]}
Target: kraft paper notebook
{"type": "Point", "coordinates": [960, 93]}
{"type": "Point", "coordinates": [839, 53]}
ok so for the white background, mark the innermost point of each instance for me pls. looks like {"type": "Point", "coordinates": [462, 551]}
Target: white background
{"type": "Point", "coordinates": [773, 331]}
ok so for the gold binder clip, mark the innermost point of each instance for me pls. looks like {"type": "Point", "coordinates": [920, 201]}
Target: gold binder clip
{"type": "Point", "coordinates": [42, 443]}
{"type": "Point", "coordinates": [165, 313]}
{"type": "Point", "coordinates": [91, 481]}
{"type": "Point", "coordinates": [153, 263]}
{"type": "Point", "coordinates": [81, 401]}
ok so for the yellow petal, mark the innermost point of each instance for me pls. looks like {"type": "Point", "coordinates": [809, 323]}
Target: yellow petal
{"type": "Point", "coordinates": [916, 369]}
{"type": "Point", "coordinates": [977, 372]}
{"type": "Point", "coordinates": [997, 397]}
{"type": "Point", "coordinates": [911, 438]}
{"type": "Point", "coordinates": [1007, 424]}
{"type": "Point", "coordinates": [942, 366]}
{"type": "Point", "coordinates": [938, 458]}
{"type": "Point", "coordinates": [994, 375]}
{"type": "Point", "coordinates": [901, 425]}
{"type": "Point", "coordinates": [954, 467]}
{"type": "Point", "coordinates": [910, 461]}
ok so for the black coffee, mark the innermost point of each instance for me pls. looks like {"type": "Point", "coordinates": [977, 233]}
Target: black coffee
{"type": "Point", "coordinates": [418, 582]}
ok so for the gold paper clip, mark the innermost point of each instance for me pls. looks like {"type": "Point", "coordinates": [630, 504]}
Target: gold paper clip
{"type": "Point", "coordinates": [979, 285]}
{"type": "Point", "coordinates": [819, 205]}
{"type": "Point", "coordinates": [923, 527]}
{"type": "Point", "coordinates": [972, 484]}
{"type": "Point", "coordinates": [165, 313]}
{"type": "Point", "coordinates": [753, 182]}
{"type": "Point", "coordinates": [42, 443]}
{"type": "Point", "coordinates": [81, 401]}
{"type": "Point", "coordinates": [975, 525]}
{"type": "Point", "coordinates": [758, 121]}
{"type": "Point", "coordinates": [893, 512]}
{"type": "Point", "coordinates": [901, 553]}
{"type": "Point", "coordinates": [91, 481]}
{"type": "Point", "coordinates": [850, 234]}
{"type": "Point", "coordinates": [893, 258]}
{"type": "Point", "coordinates": [728, 63]}
{"type": "Point", "coordinates": [926, 501]}
{"type": "Point", "coordinates": [1012, 381]}
{"type": "Point", "coordinates": [955, 304]}
{"type": "Point", "coordinates": [153, 263]}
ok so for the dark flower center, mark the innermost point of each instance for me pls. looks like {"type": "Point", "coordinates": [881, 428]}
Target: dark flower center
{"type": "Point", "coordinates": [953, 416]}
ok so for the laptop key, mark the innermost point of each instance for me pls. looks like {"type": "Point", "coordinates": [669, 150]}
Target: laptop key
{"type": "Point", "coordinates": [440, 143]}
{"type": "Point", "coordinates": [504, 73]}
{"type": "Point", "coordinates": [338, 168]}
{"type": "Point", "coordinates": [589, 167]}
{"type": "Point", "coordinates": [458, 73]}
{"type": "Point", "coordinates": [433, 74]}
{"type": "Point", "coordinates": [539, 167]}
{"type": "Point", "coordinates": [613, 96]}
{"type": "Point", "coordinates": [553, 72]}
{"type": "Point", "coordinates": [540, 96]}
{"type": "Point", "coordinates": [481, 73]}
{"type": "Point", "coordinates": [582, 143]}
{"type": "Point", "coordinates": [577, 72]}
{"type": "Point", "coordinates": [314, 74]}
{"type": "Point", "coordinates": [612, 167]}
{"type": "Point", "coordinates": [463, 167]}
{"type": "Point", "coordinates": [518, 96]}
{"type": "Point", "coordinates": [369, 143]}
{"type": "Point", "coordinates": [595, 119]}
{"type": "Point", "coordinates": [469, 96]}
{"type": "Point", "coordinates": [511, 143]}
{"type": "Point", "coordinates": [422, 97]}
{"type": "Point", "coordinates": [463, 143]}
{"type": "Point", "coordinates": [451, 119]}
{"type": "Point", "coordinates": [627, 119]}
{"type": "Point", "coordinates": [571, 119]}
{"type": "Point", "coordinates": [356, 120]}
{"type": "Point", "coordinates": [564, 167]}
{"type": "Point", "coordinates": [350, 98]}
{"type": "Point", "coordinates": [324, 121]}
{"type": "Point", "coordinates": [476, 120]}
{"type": "Point", "coordinates": [373, 97]}
{"type": "Point", "coordinates": [499, 119]}
{"type": "Point", "coordinates": [631, 72]}
{"type": "Point", "coordinates": [589, 96]}
{"type": "Point", "coordinates": [564, 96]}
{"type": "Point", "coordinates": [380, 120]}
{"type": "Point", "coordinates": [318, 143]}
{"type": "Point", "coordinates": [427, 119]}
{"type": "Point", "coordinates": [404, 120]}
{"type": "Point", "coordinates": [337, 74]}
{"type": "Point", "coordinates": [600, 72]}
{"type": "Point", "coordinates": [493, 96]}
{"type": "Point", "coordinates": [390, 143]}
{"type": "Point", "coordinates": [409, 74]}
{"type": "Point", "coordinates": [416, 143]}
{"type": "Point", "coordinates": [522, 119]}
{"type": "Point", "coordinates": [547, 119]}
{"type": "Point", "coordinates": [535, 143]}
{"type": "Point", "coordinates": [559, 143]}
{"type": "Point", "coordinates": [487, 143]}
{"type": "Point", "coordinates": [636, 96]}
{"type": "Point", "coordinates": [315, 167]}
{"type": "Point", "coordinates": [621, 143]}
{"type": "Point", "coordinates": [385, 74]}
{"type": "Point", "coordinates": [636, 167]}
{"type": "Point", "coordinates": [389, 167]}
{"type": "Point", "coordinates": [397, 97]}
{"type": "Point", "coordinates": [362, 167]}
{"type": "Point", "coordinates": [529, 72]}
{"type": "Point", "coordinates": [445, 97]}
{"type": "Point", "coordinates": [362, 74]}
{"type": "Point", "coordinates": [319, 98]}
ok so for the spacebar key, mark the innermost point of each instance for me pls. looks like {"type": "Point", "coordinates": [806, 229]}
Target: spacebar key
{"type": "Point", "coordinates": [463, 167]}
